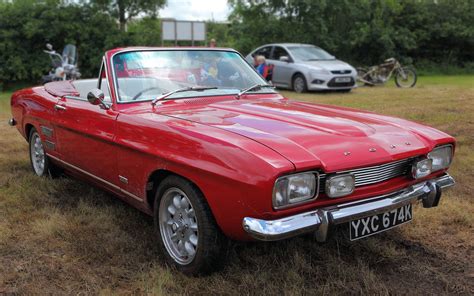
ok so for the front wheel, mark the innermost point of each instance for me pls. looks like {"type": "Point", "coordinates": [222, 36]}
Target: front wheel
{"type": "Point", "coordinates": [185, 226]}
{"type": "Point", "coordinates": [299, 84]}
{"type": "Point", "coordinates": [405, 78]}
{"type": "Point", "coordinates": [39, 160]}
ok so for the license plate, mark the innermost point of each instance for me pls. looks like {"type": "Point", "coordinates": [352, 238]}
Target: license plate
{"type": "Point", "coordinates": [343, 79]}
{"type": "Point", "coordinates": [374, 224]}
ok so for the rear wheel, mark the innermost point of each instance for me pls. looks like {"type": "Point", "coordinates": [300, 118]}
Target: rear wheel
{"type": "Point", "coordinates": [185, 226]}
{"type": "Point", "coordinates": [39, 160]}
{"type": "Point", "coordinates": [405, 78]}
{"type": "Point", "coordinates": [299, 84]}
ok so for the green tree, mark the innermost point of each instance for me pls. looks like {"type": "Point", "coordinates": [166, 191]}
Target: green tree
{"type": "Point", "coordinates": [125, 10]}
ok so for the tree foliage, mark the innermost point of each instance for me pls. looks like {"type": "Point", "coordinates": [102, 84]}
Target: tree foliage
{"type": "Point", "coordinates": [125, 10]}
{"type": "Point", "coordinates": [363, 31]}
{"type": "Point", "coordinates": [27, 25]}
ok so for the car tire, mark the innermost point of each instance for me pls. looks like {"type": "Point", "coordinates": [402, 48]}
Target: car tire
{"type": "Point", "coordinates": [344, 90]}
{"type": "Point", "coordinates": [185, 228]}
{"type": "Point", "coordinates": [299, 84]}
{"type": "Point", "coordinates": [40, 162]}
{"type": "Point", "coordinates": [406, 83]}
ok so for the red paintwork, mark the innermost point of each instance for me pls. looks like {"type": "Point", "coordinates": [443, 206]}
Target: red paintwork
{"type": "Point", "coordinates": [233, 150]}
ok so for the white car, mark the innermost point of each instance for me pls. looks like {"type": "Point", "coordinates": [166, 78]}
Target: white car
{"type": "Point", "coordinates": [304, 67]}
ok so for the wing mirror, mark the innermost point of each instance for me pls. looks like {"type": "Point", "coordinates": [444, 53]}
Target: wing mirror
{"type": "Point", "coordinates": [96, 97]}
{"type": "Point", "coordinates": [285, 59]}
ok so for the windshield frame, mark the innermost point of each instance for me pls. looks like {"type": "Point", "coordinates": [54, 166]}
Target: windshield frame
{"type": "Point", "coordinates": [115, 82]}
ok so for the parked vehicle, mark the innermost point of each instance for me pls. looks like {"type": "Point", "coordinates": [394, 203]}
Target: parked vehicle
{"type": "Point", "coordinates": [196, 138]}
{"type": "Point", "coordinates": [378, 75]}
{"type": "Point", "coordinates": [304, 67]}
{"type": "Point", "coordinates": [64, 66]}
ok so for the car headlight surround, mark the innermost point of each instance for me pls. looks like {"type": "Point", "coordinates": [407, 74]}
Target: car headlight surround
{"type": "Point", "coordinates": [317, 72]}
{"type": "Point", "coordinates": [340, 185]}
{"type": "Point", "coordinates": [441, 157]}
{"type": "Point", "coordinates": [422, 168]}
{"type": "Point", "coordinates": [295, 189]}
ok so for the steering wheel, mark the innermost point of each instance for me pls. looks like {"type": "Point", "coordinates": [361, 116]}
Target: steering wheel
{"type": "Point", "coordinates": [135, 97]}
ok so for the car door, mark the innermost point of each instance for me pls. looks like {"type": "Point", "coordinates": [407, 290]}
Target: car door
{"type": "Point", "coordinates": [85, 137]}
{"type": "Point", "coordinates": [282, 70]}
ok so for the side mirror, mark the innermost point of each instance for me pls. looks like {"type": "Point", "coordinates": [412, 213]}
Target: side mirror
{"type": "Point", "coordinates": [96, 97]}
{"type": "Point", "coordinates": [285, 59]}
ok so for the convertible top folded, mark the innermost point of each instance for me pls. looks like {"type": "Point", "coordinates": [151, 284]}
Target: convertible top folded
{"type": "Point", "coordinates": [61, 88]}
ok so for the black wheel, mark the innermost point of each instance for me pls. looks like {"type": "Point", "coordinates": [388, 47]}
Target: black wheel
{"type": "Point", "coordinates": [406, 78]}
{"type": "Point", "coordinates": [299, 84]}
{"type": "Point", "coordinates": [40, 162]}
{"type": "Point", "coordinates": [186, 230]}
{"type": "Point", "coordinates": [344, 90]}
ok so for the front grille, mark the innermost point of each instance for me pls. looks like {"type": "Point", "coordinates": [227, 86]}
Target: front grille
{"type": "Point", "coordinates": [374, 174]}
{"type": "Point", "coordinates": [341, 71]}
{"type": "Point", "coordinates": [333, 83]}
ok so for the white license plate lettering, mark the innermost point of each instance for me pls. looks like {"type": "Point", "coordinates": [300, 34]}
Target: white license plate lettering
{"type": "Point", "coordinates": [343, 79]}
{"type": "Point", "coordinates": [377, 223]}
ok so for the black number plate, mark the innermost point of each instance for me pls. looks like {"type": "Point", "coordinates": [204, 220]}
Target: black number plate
{"type": "Point", "coordinates": [374, 224]}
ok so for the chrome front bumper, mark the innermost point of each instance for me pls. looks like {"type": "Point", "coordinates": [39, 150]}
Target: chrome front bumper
{"type": "Point", "coordinates": [319, 220]}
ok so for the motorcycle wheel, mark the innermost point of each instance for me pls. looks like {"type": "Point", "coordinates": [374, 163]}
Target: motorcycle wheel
{"type": "Point", "coordinates": [406, 78]}
{"type": "Point", "coordinates": [361, 75]}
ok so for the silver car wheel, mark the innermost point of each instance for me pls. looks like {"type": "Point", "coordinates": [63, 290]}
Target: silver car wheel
{"type": "Point", "coordinates": [178, 226]}
{"type": "Point", "coordinates": [299, 84]}
{"type": "Point", "coordinates": [37, 154]}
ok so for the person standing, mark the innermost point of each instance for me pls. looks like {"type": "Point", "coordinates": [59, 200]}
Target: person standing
{"type": "Point", "coordinates": [212, 43]}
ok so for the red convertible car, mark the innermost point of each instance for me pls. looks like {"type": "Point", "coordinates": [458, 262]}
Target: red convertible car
{"type": "Point", "coordinates": [197, 139]}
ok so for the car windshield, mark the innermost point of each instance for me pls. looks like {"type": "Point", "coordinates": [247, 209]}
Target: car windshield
{"type": "Point", "coordinates": [310, 53]}
{"type": "Point", "coordinates": [145, 75]}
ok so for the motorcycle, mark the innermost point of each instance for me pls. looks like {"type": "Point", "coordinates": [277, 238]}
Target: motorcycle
{"type": "Point", "coordinates": [380, 74]}
{"type": "Point", "coordinates": [64, 66]}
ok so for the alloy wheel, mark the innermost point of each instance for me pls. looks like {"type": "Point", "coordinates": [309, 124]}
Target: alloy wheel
{"type": "Point", "coordinates": [178, 226]}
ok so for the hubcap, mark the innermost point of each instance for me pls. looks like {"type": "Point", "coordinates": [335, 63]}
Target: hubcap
{"type": "Point", "coordinates": [178, 226]}
{"type": "Point", "coordinates": [37, 154]}
{"type": "Point", "coordinates": [299, 84]}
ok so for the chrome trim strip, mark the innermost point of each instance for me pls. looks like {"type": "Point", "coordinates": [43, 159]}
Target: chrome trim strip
{"type": "Point", "coordinates": [95, 177]}
{"type": "Point", "coordinates": [48, 132]}
{"type": "Point", "coordinates": [320, 220]}
{"type": "Point", "coordinates": [50, 145]}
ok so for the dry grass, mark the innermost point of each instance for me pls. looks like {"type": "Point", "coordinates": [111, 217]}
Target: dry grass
{"type": "Point", "coordinates": [64, 237]}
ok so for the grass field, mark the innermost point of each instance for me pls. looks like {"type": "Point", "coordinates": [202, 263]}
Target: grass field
{"type": "Point", "coordinates": [65, 237]}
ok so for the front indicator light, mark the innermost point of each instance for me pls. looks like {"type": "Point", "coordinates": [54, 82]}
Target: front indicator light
{"type": "Point", "coordinates": [340, 185]}
{"type": "Point", "coordinates": [421, 168]}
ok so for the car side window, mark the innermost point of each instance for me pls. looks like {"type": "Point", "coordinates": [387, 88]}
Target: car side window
{"type": "Point", "coordinates": [265, 51]}
{"type": "Point", "coordinates": [279, 52]}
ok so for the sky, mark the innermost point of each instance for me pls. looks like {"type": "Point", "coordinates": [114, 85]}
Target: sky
{"type": "Point", "coordinates": [196, 10]}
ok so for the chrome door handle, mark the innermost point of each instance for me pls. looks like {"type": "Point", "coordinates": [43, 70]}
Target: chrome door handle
{"type": "Point", "coordinates": [59, 107]}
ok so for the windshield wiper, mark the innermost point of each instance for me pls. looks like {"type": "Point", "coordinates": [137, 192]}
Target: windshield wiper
{"type": "Point", "coordinates": [184, 89]}
{"type": "Point", "coordinates": [253, 87]}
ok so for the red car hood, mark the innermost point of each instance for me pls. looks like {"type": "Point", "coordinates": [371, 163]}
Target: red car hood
{"type": "Point", "coordinates": [311, 135]}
